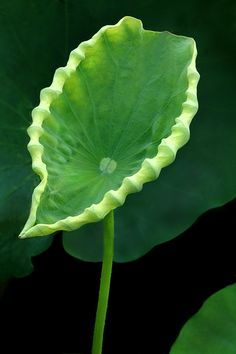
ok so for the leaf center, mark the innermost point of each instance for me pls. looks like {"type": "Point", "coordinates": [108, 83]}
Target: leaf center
{"type": "Point", "coordinates": [107, 165]}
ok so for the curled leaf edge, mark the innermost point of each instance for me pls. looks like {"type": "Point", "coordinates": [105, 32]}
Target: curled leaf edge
{"type": "Point", "coordinates": [150, 168]}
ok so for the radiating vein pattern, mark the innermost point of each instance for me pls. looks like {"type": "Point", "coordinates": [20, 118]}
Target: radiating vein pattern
{"type": "Point", "coordinates": [118, 104]}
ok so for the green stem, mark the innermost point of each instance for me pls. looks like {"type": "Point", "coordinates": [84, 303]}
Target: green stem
{"type": "Point", "coordinates": [108, 251]}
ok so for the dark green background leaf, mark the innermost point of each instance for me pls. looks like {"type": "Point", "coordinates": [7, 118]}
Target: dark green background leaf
{"type": "Point", "coordinates": [22, 73]}
{"type": "Point", "coordinates": [213, 328]}
{"type": "Point", "coordinates": [15, 256]}
{"type": "Point", "coordinates": [35, 39]}
{"type": "Point", "coordinates": [203, 175]}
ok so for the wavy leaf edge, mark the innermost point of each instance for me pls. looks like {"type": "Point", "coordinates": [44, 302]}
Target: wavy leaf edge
{"type": "Point", "coordinates": [150, 168]}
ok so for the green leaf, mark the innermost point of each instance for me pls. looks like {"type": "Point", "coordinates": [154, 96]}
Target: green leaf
{"type": "Point", "coordinates": [36, 40]}
{"type": "Point", "coordinates": [15, 255]}
{"type": "Point", "coordinates": [21, 75]}
{"type": "Point", "coordinates": [213, 328]}
{"type": "Point", "coordinates": [204, 174]}
{"type": "Point", "coordinates": [110, 121]}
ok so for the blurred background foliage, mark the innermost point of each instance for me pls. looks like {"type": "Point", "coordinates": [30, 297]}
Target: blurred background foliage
{"type": "Point", "coordinates": [36, 38]}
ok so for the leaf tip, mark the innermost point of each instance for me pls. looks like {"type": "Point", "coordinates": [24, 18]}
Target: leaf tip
{"type": "Point", "coordinates": [22, 235]}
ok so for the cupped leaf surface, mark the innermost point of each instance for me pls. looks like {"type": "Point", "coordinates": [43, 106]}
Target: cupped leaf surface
{"type": "Point", "coordinates": [112, 118]}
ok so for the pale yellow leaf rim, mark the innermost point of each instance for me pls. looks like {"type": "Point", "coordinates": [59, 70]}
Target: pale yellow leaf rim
{"type": "Point", "coordinates": [150, 168]}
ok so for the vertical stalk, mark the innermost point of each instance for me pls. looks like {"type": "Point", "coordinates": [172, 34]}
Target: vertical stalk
{"type": "Point", "coordinates": [108, 251]}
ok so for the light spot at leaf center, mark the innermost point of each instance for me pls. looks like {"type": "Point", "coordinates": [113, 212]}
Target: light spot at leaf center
{"type": "Point", "coordinates": [107, 165]}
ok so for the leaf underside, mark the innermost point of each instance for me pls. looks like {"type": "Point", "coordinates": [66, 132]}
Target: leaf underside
{"type": "Point", "coordinates": [213, 328]}
{"type": "Point", "coordinates": [103, 117]}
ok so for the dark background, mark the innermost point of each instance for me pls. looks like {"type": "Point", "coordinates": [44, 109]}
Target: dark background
{"type": "Point", "coordinates": [53, 310]}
